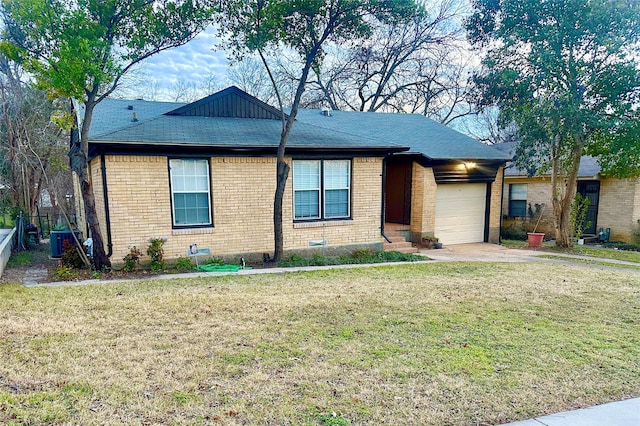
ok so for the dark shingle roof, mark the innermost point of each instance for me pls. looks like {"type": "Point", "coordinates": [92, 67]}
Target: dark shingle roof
{"type": "Point", "coordinates": [234, 132]}
{"type": "Point", "coordinates": [589, 166]}
{"type": "Point", "coordinates": [158, 124]}
{"type": "Point", "coordinates": [422, 135]}
{"type": "Point", "coordinates": [111, 114]}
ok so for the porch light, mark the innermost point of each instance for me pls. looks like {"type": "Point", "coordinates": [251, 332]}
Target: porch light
{"type": "Point", "coordinates": [470, 165]}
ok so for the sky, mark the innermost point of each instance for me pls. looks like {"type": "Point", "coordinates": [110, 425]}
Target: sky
{"type": "Point", "coordinates": [192, 63]}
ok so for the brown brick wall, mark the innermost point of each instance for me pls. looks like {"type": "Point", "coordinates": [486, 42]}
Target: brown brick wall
{"type": "Point", "coordinates": [423, 202]}
{"type": "Point", "coordinates": [538, 192]}
{"type": "Point", "coordinates": [242, 192]}
{"type": "Point", "coordinates": [95, 172]}
{"type": "Point", "coordinates": [618, 209]}
{"type": "Point", "coordinates": [78, 203]}
{"type": "Point", "coordinates": [495, 212]}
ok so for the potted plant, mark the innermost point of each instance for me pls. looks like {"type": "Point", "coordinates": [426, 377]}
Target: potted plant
{"type": "Point", "coordinates": [534, 239]}
{"type": "Point", "coordinates": [431, 242]}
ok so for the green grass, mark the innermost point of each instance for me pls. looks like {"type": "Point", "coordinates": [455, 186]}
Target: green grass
{"type": "Point", "coordinates": [591, 251]}
{"type": "Point", "coordinates": [590, 261]}
{"type": "Point", "coordinates": [606, 253]}
{"type": "Point", "coordinates": [514, 243]}
{"type": "Point", "coordinates": [20, 258]}
{"type": "Point", "coordinates": [7, 220]}
{"type": "Point", "coordinates": [364, 256]}
{"type": "Point", "coordinates": [454, 343]}
{"type": "Point", "coordinates": [524, 244]}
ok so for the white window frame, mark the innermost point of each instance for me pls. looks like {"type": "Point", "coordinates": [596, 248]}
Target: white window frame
{"type": "Point", "coordinates": [317, 189]}
{"type": "Point", "coordinates": [325, 188]}
{"type": "Point", "coordinates": [322, 189]}
{"type": "Point", "coordinates": [206, 191]}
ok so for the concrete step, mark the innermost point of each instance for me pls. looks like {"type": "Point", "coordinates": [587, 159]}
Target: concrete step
{"type": "Point", "coordinates": [401, 246]}
{"type": "Point", "coordinates": [404, 250]}
{"type": "Point", "coordinates": [396, 239]}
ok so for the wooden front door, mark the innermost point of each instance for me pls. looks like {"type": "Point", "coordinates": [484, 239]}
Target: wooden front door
{"type": "Point", "coordinates": [398, 193]}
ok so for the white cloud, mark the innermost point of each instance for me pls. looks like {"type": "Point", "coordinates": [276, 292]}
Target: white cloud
{"type": "Point", "coordinates": [193, 63]}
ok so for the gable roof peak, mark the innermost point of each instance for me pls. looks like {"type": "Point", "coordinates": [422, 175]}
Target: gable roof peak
{"type": "Point", "coordinates": [231, 102]}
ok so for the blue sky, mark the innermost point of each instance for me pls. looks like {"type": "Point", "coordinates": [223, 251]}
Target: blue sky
{"type": "Point", "coordinates": [192, 63]}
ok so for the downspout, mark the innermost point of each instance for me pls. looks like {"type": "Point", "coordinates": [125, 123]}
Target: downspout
{"type": "Point", "coordinates": [501, 205]}
{"type": "Point", "coordinates": [487, 213]}
{"type": "Point", "coordinates": [382, 204]}
{"type": "Point", "coordinates": [105, 194]}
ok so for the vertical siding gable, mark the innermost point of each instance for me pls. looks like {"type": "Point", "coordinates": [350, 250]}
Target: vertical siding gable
{"type": "Point", "coordinates": [229, 103]}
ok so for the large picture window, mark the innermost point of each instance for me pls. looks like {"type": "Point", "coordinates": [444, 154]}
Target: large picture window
{"type": "Point", "coordinates": [321, 189]}
{"type": "Point", "coordinates": [518, 200]}
{"type": "Point", "coordinates": [190, 192]}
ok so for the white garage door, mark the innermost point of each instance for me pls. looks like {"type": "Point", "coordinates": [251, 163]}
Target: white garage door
{"type": "Point", "coordinates": [460, 211]}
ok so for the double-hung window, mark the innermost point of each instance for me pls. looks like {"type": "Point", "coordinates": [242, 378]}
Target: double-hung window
{"type": "Point", "coordinates": [321, 189]}
{"type": "Point", "coordinates": [190, 192]}
{"type": "Point", "coordinates": [518, 200]}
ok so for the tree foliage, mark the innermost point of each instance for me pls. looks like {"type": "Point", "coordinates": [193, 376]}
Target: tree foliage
{"type": "Point", "coordinates": [565, 72]}
{"type": "Point", "coordinates": [306, 27]}
{"type": "Point", "coordinates": [32, 149]}
{"type": "Point", "coordinates": [81, 49]}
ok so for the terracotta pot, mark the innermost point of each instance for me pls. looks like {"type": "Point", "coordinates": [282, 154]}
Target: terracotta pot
{"type": "Point", "coordinates": [535, 239]}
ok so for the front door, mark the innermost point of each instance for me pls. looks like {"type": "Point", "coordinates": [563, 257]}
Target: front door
{"type": "Point", "coordinates": [398, 193]}
{"type": "Point", "coordinates": [591, 190]}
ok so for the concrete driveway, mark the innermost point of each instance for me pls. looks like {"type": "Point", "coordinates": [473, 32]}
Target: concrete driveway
{"type": "Point", "coordinates": [483, 252]}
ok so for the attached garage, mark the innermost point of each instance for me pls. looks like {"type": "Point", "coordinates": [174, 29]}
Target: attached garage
{"type": "Point", "coordinates": [443, 170]}
{"type": "Point", "coordinates": [461, 212]}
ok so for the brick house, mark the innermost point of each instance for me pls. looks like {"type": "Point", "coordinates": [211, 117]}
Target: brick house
{"type": "Point", "coordinates": [446, 184]}
{"type": "Point", "coordinates": [613, 203]}
{"type": "Point", "coordinates": [204, 173]}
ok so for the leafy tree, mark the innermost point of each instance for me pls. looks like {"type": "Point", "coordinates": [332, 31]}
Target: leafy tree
{"type": "Point", "coordinates": [565, 72]}
{"type": "Point", "coordinates": [81, 49]}
{"type": "Point", "coordinates": [32, 148]}
{"type": "Point", "coordinates": [304, 26]}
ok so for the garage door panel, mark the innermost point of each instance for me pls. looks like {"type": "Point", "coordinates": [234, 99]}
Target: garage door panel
{"type": "Point", "coordinates": [460, 213]}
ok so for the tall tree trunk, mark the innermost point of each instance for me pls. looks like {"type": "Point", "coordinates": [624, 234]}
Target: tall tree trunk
{"type": "Point", "coordinates": [281, 182]}
{"type": "Point", "coordinates": [282, 168]}
{"type": "Point", "coordinates": [12, 150]}
{"type": "Point", "coordinates": [563, 199]}
{"type": "Point", "coordinates": [100, 259]}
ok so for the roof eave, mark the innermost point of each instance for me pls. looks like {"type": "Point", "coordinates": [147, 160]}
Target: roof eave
{"type": "Point", "coordinates": [98, 147]}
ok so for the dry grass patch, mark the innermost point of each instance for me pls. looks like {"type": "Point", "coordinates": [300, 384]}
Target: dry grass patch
{"type": "Point", "coordinates": [590, 261]}
{"type": "Point", "coordinates": [455, 343]}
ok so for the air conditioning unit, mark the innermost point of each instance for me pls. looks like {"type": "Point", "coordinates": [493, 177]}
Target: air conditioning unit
{"type": "Point", "coordinates": [57, 239]}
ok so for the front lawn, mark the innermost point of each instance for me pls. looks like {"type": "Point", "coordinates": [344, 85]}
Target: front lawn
{"type": "Point", "coordinates": [585, 250]}
{"type": "Point", "coordinates": [590, 261]}
{"type": "Point", "coordinates": [602, 252]}
{"type": "Point", "coordinates": [429, 343]}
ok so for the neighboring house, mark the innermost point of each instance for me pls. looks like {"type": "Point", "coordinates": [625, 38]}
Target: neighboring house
{"type": "Point", "coordinates": [613, 203]}
{"type": "Point", "coordinates": [204, 173]}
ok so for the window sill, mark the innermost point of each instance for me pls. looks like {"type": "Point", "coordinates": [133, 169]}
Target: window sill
{"type": "Point", "coordinates": [322, 223]}
{"type": "Point", "coordinates": [193, 231]}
